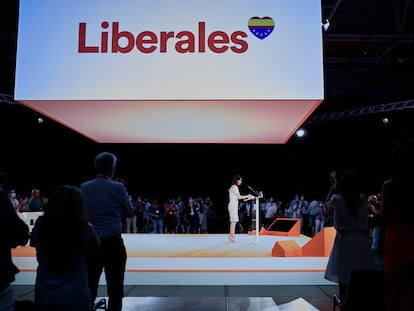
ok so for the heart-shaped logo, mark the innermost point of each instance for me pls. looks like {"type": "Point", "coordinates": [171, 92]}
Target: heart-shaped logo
{"type": "Point", "coordinates": [261, 27]}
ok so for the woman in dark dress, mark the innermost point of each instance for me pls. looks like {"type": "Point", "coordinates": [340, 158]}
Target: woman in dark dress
{"type": "Point", "coordinates": [63, 238]}
{"type": "Point", "coordinates": [351, 249]}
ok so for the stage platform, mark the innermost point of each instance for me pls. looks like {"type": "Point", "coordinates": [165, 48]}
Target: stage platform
{"type": "Point", "coordinates": [203, 259]}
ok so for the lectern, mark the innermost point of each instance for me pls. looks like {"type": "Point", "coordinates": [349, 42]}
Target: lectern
{"type": "Point", "coordinates": [256, 215]}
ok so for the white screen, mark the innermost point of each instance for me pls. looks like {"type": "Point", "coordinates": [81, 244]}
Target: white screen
{"type": "Point", "coordinates": [183, 52]}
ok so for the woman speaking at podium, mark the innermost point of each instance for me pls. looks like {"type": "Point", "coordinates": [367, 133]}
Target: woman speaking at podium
{"type": "Point", "coordinates": [233, 207]}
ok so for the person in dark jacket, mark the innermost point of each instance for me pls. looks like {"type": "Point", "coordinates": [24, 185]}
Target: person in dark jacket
{"type": "Point", "coordinates": [63, 238]}
{"type": "Point", "coordinates": [13, 232]}
{"type": "Point", "coordinates": [107, 202]}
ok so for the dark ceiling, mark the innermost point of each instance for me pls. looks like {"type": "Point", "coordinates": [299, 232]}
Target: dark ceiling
{"type": "Point", "coordinates": [368, 62]}
{"type": "Point", "coordinates": [369, 51]}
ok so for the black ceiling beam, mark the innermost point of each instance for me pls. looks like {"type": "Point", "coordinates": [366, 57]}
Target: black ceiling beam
{"type": "Point", "coordinates": [402, 105]}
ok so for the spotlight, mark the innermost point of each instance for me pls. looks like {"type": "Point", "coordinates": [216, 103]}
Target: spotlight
{"type": "Point", "coordinates": [385, 120]}
{"type": "Point", "coordinates": [326, 24]}
{"type": "Point", "coordinates": [300, 133]}
{"type": "Point", "coordinates": [39, 120]}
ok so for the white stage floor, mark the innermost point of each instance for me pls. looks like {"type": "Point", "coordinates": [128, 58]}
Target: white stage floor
{"type": "Point", "coordinates": [203, 259]}
{"type": "Point", "coordinates": [214, 304]}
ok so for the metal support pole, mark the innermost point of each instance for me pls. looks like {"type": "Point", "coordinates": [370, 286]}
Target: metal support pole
{"type": "Point", "coordinates": [257, 220]}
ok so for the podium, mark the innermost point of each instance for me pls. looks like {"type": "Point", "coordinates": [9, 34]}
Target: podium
{"type": "Point", "coordinates": [255, 218]}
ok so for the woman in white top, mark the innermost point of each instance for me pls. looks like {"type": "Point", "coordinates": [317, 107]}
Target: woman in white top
{"type": "Point", "coordinates": [234, 197]}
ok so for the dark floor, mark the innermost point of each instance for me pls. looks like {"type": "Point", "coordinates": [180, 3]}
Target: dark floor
{"type": "Point", "coordinates": [214, 298]}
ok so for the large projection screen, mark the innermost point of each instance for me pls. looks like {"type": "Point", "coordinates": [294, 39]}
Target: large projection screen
{"type": "Point", "coordinates": [160, 71]}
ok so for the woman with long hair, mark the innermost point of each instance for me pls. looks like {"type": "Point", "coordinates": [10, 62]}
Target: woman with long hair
{"type": "Point", "coordinates": [351, 250]}
{"type": "Point", "coordinates": [233, 206]}
{"type": "Point", "coordinates": [63, 238]}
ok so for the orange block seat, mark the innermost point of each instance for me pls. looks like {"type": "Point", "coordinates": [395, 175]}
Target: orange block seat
{"type": "Point", "coordinates": [287, 248]}
{"type": "Point", "coordinates": [321, 244]}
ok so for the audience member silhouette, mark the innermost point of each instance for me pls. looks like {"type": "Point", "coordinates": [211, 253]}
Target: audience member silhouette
{"type": "Point", "coordinates": [351, 250]}
{"type": "Point", "coordinates": [398, 213]}
{"type": "Point", "coordinates": [179, 212]}
{"type": "Point", "coordinates": [313, 210]}
{"type": "Point", "coordinates": [63, 238]}
{"type": "Point", "coordinates": [13, 232]}
{"type": "Point", "coordinates": [210, 206]}
{"type": "Point", "coordinates": [170, 216]}
{"type": "Point", "coordinates": [192, 214]}
{"type": "Point", "coordinates": [107, 202]}
{"type": "Point", "coordinates": [375, 223]}
{"type": "Point", "coordinates": [320, 217]}
{"type": "Point", "coordinates": [271, 213]}
{"type": "Point", "coordinates": [329, 221]}
{"type": "Point", "coordinates": [146, 216]}
{"type": "Point", "coordinates": [157, 217]}
{"type": "Point", "coordinates": [139, 211]}
{"type": "Point", "coordinates": [246, 210]}
{"type": "Point", "coordinates": [18, 204]}
{"type": "Point", "coordinates": [204, 212]}
{"type": "Point", "coordinates": [36, 202]}
{"type": "Point", "coordinates": [131, 222]}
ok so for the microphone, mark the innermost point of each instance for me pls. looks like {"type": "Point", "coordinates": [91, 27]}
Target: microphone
{"type": "Point", "coordinates": [252, 190]}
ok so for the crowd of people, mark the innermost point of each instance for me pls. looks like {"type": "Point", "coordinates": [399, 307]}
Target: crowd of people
{"type": "Point", "coordinates": [181, 215]}
{"type": "Point", "coordinates": [193, 214]}
{"type": "Point", "coordinates": [91, 219]}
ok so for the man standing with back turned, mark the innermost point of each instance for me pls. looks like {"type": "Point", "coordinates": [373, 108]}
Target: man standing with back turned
{"type": "Point", "coordinates": [107, 202]}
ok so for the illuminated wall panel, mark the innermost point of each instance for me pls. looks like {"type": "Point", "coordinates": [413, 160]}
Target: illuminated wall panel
{"type": "Point", "coordinates": [172, 71]}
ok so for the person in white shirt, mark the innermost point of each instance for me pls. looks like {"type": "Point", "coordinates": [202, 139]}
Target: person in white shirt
{"type": "Point", "coordinates": [19, 205]}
